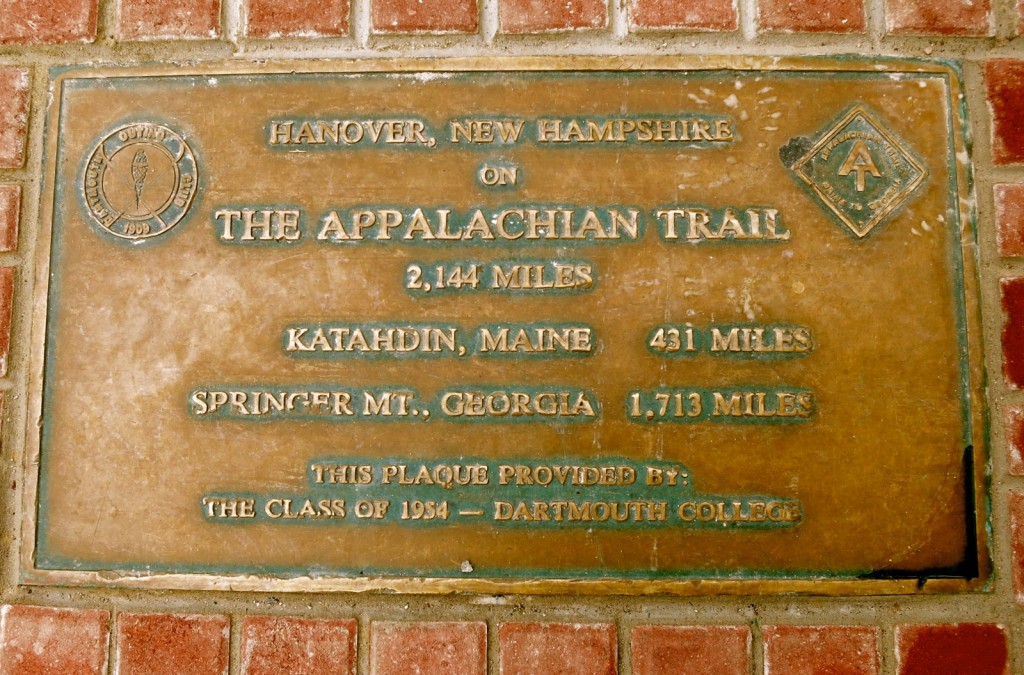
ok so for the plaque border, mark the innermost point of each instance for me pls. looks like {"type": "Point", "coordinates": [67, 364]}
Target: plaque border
{"type": "Point", "coordinates": [977, 566]}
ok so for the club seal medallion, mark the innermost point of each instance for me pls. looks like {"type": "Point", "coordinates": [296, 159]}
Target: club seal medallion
{"type": "Point", "coordinates": [139, 181]}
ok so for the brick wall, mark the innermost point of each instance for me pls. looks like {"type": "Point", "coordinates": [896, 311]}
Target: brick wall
{"type": "Point", "coordinates": [53, 630]}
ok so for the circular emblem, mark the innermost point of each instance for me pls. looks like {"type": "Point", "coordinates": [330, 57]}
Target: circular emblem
{"type": "Point", "coordinates": [140, 181]}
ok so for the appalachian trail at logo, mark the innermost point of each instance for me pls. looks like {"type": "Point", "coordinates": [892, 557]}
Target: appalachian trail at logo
{"type": "Point", "coordinates": [139, 181]}
{"type": "Point", "coordinates": [857, 168]}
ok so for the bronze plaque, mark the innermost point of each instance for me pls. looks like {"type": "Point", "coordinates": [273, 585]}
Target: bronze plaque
{"type": "Point", "coordinates": [528, 325]}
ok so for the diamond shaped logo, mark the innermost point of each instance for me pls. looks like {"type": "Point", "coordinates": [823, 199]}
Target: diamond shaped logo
{"type": "Point", "coordinates": [858, 169]}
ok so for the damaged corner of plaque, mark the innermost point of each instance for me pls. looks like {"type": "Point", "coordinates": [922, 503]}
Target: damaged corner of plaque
{"type": "Point", "coordinates": [858, 169]}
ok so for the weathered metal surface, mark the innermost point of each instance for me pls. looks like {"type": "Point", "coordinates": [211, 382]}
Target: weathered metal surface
{"type": "Point", "coordinates": [434, 329]}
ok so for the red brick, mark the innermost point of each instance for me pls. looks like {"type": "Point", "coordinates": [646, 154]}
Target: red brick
{"type": "Point", "coordinates": [1009, 201]}
{"type": "Point", "coordinates": [297, 18]}
{"type": "Point", "coordinates": [10, 208]}
{"type": "Point", "coordinates": [708, 650]}
{"type": "Point", "coordinates": [273, 645]}
{"type": "Point", "coordinates": [33, 22]}
{"type": "Point", "coordinates": [684, 14]}
{"type": "Point", "coordinates": [1005, 81]}
{"type": "Point", "coordinates": [49, 641]}
{"type": "Point", "coordinates": [452, 648]}
{"type": "Point", "coordinates": [535, 16]}
{"type": "Point", "coordinates": [6, 308]}
{"type": "Point", "coordinates": [1013, 331]}
{"type": "Point", "coordinates": [815, 650]}
{"type": "Point", "coordinates": [424, 16]}
{"type": "Point", "coordinates": [939, 17]}
{"type": "Point", "coordinates": [162, 19]}
{"type": "Point", "coordinates": [557, 649]}
{"type": "Point", "coordinates": [819, 16]}
{"type": "Point", "coordinates": [1016, 506]}
{"type": "Point", "coordinates": [169, 644]}
{"type": "Point", "coordinates": [978, 649]}
{"type": "Point", "coordinates": [1015, 441]}
{"type": "Point", "coordinates": [14, 83]}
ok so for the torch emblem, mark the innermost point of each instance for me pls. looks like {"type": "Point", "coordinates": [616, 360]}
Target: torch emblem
{"type": "Point", "coordinates": [140, 167]}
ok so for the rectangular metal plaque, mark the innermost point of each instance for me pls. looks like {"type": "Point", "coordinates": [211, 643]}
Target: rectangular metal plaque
{"type": "Point", "coordinates": [537, 326]}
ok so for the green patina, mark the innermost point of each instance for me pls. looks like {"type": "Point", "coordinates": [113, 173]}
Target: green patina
{"type": "Point", "coordinates": [47, 559]}
{"type": "Point", "coordinates": [698, 224]}
{"type": "Point", "coordinates": [859, 170]}
{"type": "Point", "coordinates": [749, 404]}
{"type": "Point", "coordinates": [472, 403]}
{"type": "Point", "coordinates": [263, 225]}
{"type": "Point", "coordinates": [614, 492]}
{"type": "Point", "coordinates": [536, 340]}
{"type": "Point", "coordinates": [529, 276]}
{"type": "Point", "coordinates": [532, 224]}
{"type": "Point", "coordinates": [339, 131]}
{"type": "Point", "coordinates": [373, 340]}
{"type": "Point", "coordinates": [410, 340]}
{"type": "Point", "coordinates": [731, 340]}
